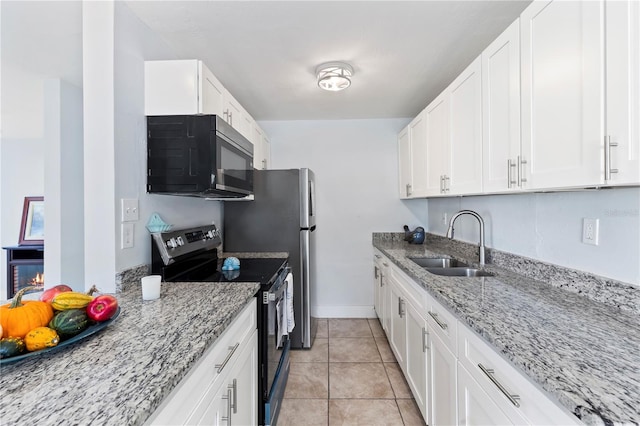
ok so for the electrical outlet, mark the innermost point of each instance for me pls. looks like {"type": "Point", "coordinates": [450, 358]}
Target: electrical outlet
{"type": "Point", "coordinates": [130, 210]}
{"type": "Point", "coordinates": [126, 238]}
{"type": "Point", "coordinates": [590, 231]}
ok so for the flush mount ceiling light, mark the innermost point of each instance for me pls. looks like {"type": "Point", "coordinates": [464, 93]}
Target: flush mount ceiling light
{"type": "Point", "coordinates": [334, 76]}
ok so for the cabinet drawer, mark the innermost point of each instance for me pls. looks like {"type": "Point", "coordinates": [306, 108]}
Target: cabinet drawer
{"type": "Point", "coordinates": [443, 323]}
{"type": "Point", "coordinates": [210, 369]}
{"type": "Point", "coordinates": [506, 385]}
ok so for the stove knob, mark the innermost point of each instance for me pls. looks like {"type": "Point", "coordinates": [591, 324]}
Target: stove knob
{"type": "Point", "coordinates": [210, 235]}
{"type": "Point", "coordinates": [180, 241]}
{"type": "Point", "coordinates": [172, 243]}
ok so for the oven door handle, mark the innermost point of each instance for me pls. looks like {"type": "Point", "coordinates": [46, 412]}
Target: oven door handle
{"type": "Point", "coordinates": [280, 285]}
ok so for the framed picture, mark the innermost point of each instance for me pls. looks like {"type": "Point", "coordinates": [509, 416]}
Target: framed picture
{"type": "Point", "coordinates": [32, 226]}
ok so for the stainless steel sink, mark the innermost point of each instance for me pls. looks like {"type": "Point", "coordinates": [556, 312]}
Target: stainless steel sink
{"type": "Point", "coordinates": [439, 262]}
{"type": "Point", "coordinates": [459, 272]}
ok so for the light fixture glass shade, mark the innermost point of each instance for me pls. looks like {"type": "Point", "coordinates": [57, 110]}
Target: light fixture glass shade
{"type": "Point", "coordinates": [334, 76]}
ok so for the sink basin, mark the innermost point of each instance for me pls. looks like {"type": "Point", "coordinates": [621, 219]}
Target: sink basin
{"type": "Point", "coordinates": [439, 262]}
{"type": "Point", "coordinates": [459, 272]}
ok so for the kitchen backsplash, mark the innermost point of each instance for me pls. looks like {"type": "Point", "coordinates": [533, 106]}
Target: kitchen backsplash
{"type": "Point", "coordinates": [600, 289]}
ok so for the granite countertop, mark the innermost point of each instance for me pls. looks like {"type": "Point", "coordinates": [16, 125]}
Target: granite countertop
{"type": "Point", "coordinates": [120, 375]}
{"type": "Point", "coordinates": [586, 354]}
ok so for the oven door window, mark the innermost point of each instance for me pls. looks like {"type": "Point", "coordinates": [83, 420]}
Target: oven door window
{"type": "Point", "coordinates": [234, 167]}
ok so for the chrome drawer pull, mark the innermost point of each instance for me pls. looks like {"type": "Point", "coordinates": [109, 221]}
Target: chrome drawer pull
{"type": "Point", "coordinates": [443, 325]}
{"type": "Point", "coordinates": [232, 349]}
{"type": "Point", "coordinates": [425, 333]}
{"type": "Point", "coordinates": [489, 373]}
{"type": "Point", "coordinates": [235, 395]}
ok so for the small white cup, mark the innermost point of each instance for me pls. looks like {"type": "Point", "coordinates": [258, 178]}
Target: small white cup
{"type": "Point", "coordinates": [151, 287]}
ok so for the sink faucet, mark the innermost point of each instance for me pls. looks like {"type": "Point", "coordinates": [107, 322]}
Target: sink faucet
{"type": "Point", "coordinates": [480, 221]}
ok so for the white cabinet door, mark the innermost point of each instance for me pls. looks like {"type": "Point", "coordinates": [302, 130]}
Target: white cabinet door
{"type": "Point", "coordinates": [562, 68]}
{"type": "Point", "coordinates": [398, 327]}
{"type": "Point", "coordinates": [385, 297]}
{"type": "Point", "coordinates": [212, 92]}
{"type": "Point", "coordinates": [442, 368]}
{"type": "Point", "coordinates": [465, 132]}
{"type": "Point", "coordinates": [181, 87]}
{"type": "Point", "coordinates": [418, 141]}
{"type": "Point", "coordinates": [404, 163]}
{"type": "Point", "coordinates": [244, 382]}
{"type": "Point", "coordinates": [377, 284]}
{"type": "Point", "coordinates": [622, 159]}
{"type": "Point", "coordinates": [437, 120]}
{"type": "Point", "coordinates": [266, 152]}
{"type": "Point", "coordinates": [232, 112]}
{"type": "Point", "coordinates": [501, 111]}
{"type": "Point", "coordinates": [417, 357]}
{"type": "Point", "coordinates": [474, 405]}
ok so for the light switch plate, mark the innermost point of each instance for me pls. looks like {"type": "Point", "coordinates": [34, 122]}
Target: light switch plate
{"type": "Point", "coordinates": [130, 210]}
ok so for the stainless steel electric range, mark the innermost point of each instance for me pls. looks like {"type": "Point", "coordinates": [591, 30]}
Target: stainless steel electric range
{"type": "Point", "coordinates": [191, 255]}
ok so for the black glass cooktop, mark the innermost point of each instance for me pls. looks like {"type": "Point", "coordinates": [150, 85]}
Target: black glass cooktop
{"type": "Point", "coordinates": [251, 270]}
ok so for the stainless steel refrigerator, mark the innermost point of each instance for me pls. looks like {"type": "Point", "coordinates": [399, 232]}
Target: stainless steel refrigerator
{"type": "Point", "coordinates": [281, 218]}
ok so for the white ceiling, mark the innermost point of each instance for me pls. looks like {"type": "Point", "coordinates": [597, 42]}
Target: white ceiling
{"type": "Point", "coordinates": [265, 52]}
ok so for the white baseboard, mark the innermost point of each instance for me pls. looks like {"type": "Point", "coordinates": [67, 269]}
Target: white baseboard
{"type": "Point", "coordinates": [343, 312]}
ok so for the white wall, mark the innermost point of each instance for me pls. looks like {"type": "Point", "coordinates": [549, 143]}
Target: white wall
{"type": "Point", "coordinates": [355, 164]}
{"type": "Point", "coordinates": [548, 227]}
{"type": "Point", "coordinates": [63, 185]}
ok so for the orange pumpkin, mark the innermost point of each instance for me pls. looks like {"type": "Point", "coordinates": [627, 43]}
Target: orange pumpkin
{"type": "Point", "coordinates": [18, 318]}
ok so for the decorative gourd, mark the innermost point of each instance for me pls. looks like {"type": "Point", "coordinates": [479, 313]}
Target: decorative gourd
{"type": "Point", "coordinates": [70, 300]}
{"type": "Point", "coordinates": [41, 338]}
{"type": "Point", "coordinates": [18, 318]}
{"type": "Point", "coordinates": [70, 322]}
{"type": "Point", "coordinates": [11, 346]}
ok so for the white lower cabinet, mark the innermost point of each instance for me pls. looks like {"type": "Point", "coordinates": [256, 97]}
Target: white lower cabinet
{"type": "Point", "coordinates": [221, 389]}
{"type": "Point", "coordinates": [398, 339]}
{"type": "Point", "coordinates": [454, 375]}
{"type": "Point", "coordinates": [417, 357]}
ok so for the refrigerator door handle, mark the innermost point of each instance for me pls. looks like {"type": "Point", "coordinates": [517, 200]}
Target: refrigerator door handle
{"type": "Point", "coordinates": [305, 251]}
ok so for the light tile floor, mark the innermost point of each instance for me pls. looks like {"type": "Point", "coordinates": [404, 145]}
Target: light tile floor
{"type": "Point", "coordinates": [349, 377]}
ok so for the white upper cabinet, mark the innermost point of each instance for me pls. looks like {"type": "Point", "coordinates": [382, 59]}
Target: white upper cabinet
{"type": "Point", "coordinates": [412, 155]}
{"type": "Point", "coordinates": [261, 148]}
{"type": "Point", "coordinates": [501, 112]}
{"type": "Point", "coordinates": [465, 129]}
{"type": "Point", "coordinates": [562, 70]}
{"type": "Point", "coordinates": [181, 87]}
{"type": "Point", "coordinates": [437, 116]}
{"type": "Point", "coordinates": [622, 143]}
{"type": "Point", "coordinates": [454, 136]}
{"type": "Point", "coordinates": [237, 116]}
{"type": "Point", "coordinates": [404, 163]}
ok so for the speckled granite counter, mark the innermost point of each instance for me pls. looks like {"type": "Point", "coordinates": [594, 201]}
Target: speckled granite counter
{"type": "Point", "coordinates": [584, 353]}
{"type": "Point", "coordinates": [120, 375]}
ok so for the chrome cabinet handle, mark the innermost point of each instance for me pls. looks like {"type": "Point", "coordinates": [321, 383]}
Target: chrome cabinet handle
{"type": "Point", "coordinates": [408, 189]}
{"type": "Point", "coordinates": [607, 158]}
{"type": "Point", "coordinates": [521, 162]}
{"type": "Point", "coordinates": [232, 349]}
{"type": "Point", "coordinates": [229, 398]}
{"type": "Point", "coordinates": [447, 183]}
{"type": "Point", "coordinates": [375, 272]}
{"type": "Point", "coordinates": [234, 388]}
{"type": "Point", "coordinates": [489, 373]}
{"type": "Point", "coordinates": [264, 164]}
{"type": "Point", "coordinates": [400, 307]}
{"type": "Point", "coordinates": [510, 181]}
{"type": "Point", "coordinates": [443, 325]}
{"type": "Point", "coordinates": [425, 333]}
{"type": "Point", "coordinates": [442, 184]}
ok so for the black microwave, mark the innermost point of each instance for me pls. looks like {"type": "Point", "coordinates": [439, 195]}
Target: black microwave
{"type": "Point", "coordinates": [197, 155]}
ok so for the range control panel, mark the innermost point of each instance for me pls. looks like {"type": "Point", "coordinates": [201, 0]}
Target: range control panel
{"type": "Point", "coordinates": [173, 244]}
